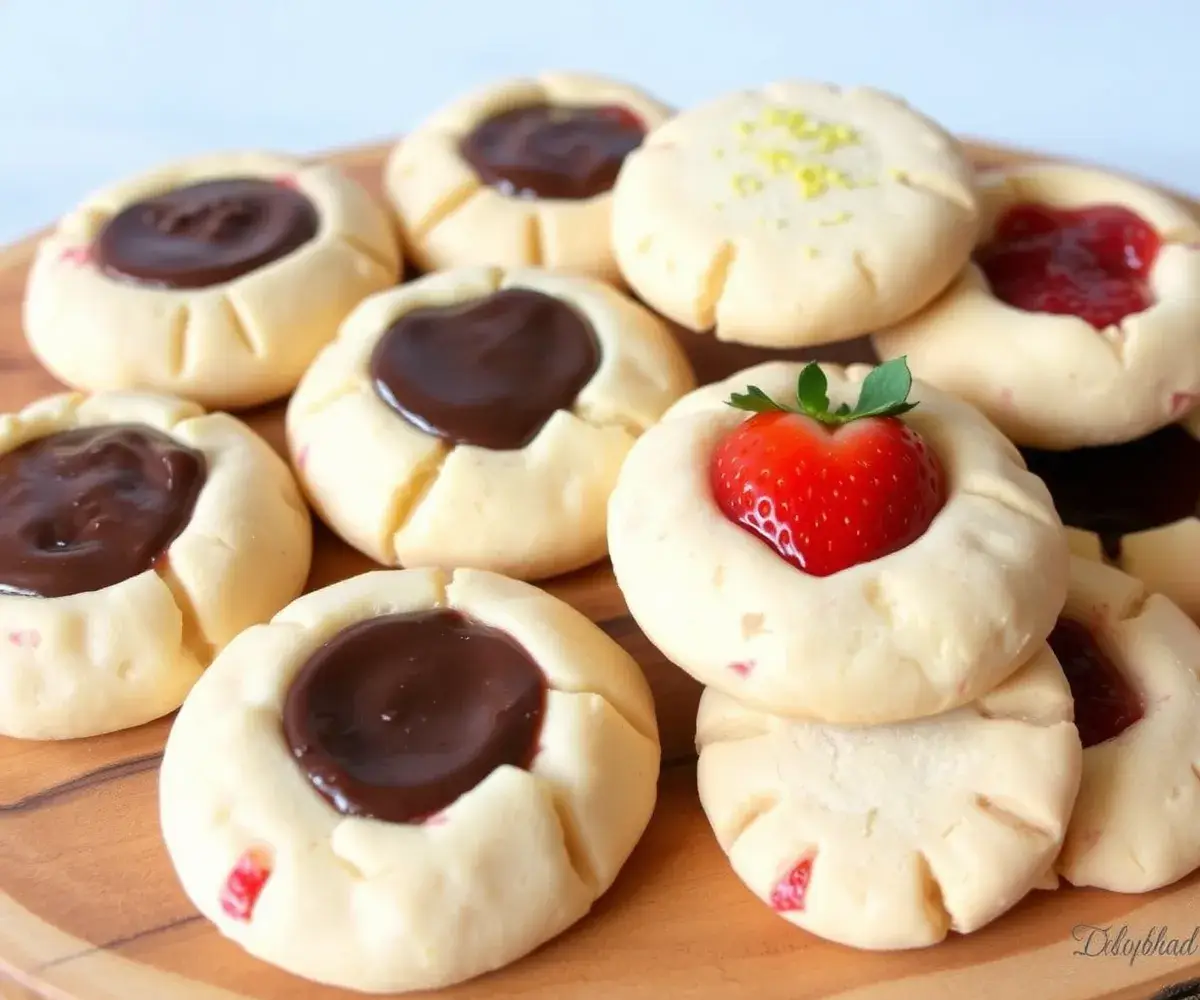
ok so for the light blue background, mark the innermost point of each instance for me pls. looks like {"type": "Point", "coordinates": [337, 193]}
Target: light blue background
{"type": "Point", "coordinates": [94, 89]}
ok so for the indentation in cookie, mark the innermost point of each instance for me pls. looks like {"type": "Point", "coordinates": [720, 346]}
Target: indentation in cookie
{"type": "Point", "coordinates": [488, 372]}
{"type": "Point", "coordinates": [553, 150]}
{"type": "Point", "coordinates": [1122, 489]}
{"type": "Point", "coordinates": [245, 884]}
{"type": "Point", "coordinates": [84, 509]}
{"type": "Point", "coordinates": [206, 233]}
{"type": "Point", "coordinates": [1106, 704]}
{"type": "Point", "coordinates": [397, 716]}
{"type": "Point", "coordinates": [1093, 263]}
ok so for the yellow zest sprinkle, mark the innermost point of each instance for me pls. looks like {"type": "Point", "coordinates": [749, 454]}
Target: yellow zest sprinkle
{"type": "Point", "coordinates": [744, 128]}
{"type": "Point", "coordinates": [718, 153]}
{"type": "Point", "coordinates": [898, 175]}
{"type": "Point", "coordinates": [718, 205]}
{"type": "Point", "coordinates": [817, 178]}
{"type": "Point", "coordinates": [781, 223]}
{"type": "Point", "coordinates": [777, 161]}
{"type": "Point", "coordinates": [811, 252]}
{"type": "Point", "coordinates": [831, 137]}
{"type": "Point", "coordinates": [644, 244]}
{"type": "Point", "coordinates": [835, 220]}
{"type": "Point", "coordinates": [746, 184]}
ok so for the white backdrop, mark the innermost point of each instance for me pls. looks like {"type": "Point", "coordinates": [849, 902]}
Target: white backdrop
{"type": "Point", "coordinates": [93, 89]}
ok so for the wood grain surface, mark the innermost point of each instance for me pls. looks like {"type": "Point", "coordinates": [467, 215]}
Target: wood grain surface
{"type": "Point", "coordinates": [90, 908]}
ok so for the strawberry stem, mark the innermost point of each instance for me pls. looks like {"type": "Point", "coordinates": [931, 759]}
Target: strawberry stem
{"type": "Point", "coordinates": [884, 393]}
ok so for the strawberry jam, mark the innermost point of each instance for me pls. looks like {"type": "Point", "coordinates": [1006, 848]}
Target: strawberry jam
{"type": "Point", "coordinates": [1105, 703]}
{"type": "Point", "coordinates": [1093, 263]}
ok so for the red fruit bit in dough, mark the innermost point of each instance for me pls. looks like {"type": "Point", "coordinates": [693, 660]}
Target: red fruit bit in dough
{"type": "Point", "coordinates": [244, 885]}
{"type": "Point", "coordinates": [25, 637]}
{"type": "Point", "coordinates": [827, 499]}
{"type": "Point", "coordinates": [76, 255]}
{"type": "Point", "coordinates": [1093, 263]}
{"type": "Point", "coordinates": [789, 892]}
{"type": "Point", "coordinates": [1105, 702]}
{"type": "Point", "coordinates": [742, 667]}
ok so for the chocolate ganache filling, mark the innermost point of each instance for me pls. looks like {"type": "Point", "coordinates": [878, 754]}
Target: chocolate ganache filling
{"type": "Point", "coordinates": [1121, 489]}
{"type": "Point", "coordinates": [489, 372]}
{"type": "Point", "coordinates": [87, 508]}
{"type": "Point", "coordinates": [396, 717]}
{"type": "Point", "coordinates": [205, 233]}
{"type": "Point", "coordinates": [553, 151]}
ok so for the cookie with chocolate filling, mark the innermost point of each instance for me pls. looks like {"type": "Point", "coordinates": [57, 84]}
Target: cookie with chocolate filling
{"type": "Point", "coordinates": [216, 279]}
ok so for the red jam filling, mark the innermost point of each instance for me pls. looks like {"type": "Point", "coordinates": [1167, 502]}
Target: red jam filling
{"type": "Point", "coordinates": [789, 892]}
{"type": "Point", "coordinates": [1105, 703]}
{"type": "Point", "coordinates": [1093, 263]}
{"type": "Point", "coordinates": [244, 885]}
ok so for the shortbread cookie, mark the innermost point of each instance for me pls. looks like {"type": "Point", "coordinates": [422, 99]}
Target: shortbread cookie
{"type": "Point", "coordinates": [900, 568]}
{"type": "Point", "coordinates": [893, 836]}
{"type": "Point", "coordinates": [519, 174]}
{"type": "Point", "coordinates": [217, 279]}
{"type": "Point", "coordinates": [137, 537]}
{"type": "Point", "coordinates": [478, 418]}
{"type": "Point", "coordinates": [796, 214]}
{"type": "Point", "coordinates": [1078, 321]}
{"type": "Point", "coordinates": [1134, 505]}
{"type": "Point", "coordinates": [1132, 660]}
{"type": "Point", "coordinates": [422, 777]}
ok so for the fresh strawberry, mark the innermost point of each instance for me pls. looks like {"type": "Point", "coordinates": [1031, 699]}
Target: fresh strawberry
{"type": "Point", "coordinates": [829, 489]}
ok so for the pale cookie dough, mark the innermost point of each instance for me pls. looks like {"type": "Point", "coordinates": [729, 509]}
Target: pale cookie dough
{"type": "Point", "coordinates": [406, 497]}
{"type": "Point", "coordinates": [1136, 825]}
{"type": "Point", "coordinates": [450, 218]}
{"type": "Point", "coordinates": [384, 907]}
{"type": "Point", "coordinates": [892, 836]}
{"type": "Point", "coordinates": [927, 628]}
{"type": "Point", "coordinates": [797, 214]}
{"type": "Point", "coordinates": [229, 345]}
{"type": "Point", "coordinates": [1054, 381]}
{"type": "Point", "coordinates": [109, 659]}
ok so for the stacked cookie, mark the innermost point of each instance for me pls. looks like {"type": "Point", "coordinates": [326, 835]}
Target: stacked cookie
{"type": "Point", "coordinates": [864, 575]}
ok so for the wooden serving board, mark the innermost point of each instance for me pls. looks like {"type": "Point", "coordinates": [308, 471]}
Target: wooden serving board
{"type": "Point", "coordinates": [90, 908]}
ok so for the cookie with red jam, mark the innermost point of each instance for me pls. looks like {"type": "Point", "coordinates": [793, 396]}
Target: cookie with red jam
{"type": "Point", "coordinates": [1133, 662]}
{"type": "Point", "coordinates": [1077, 322]}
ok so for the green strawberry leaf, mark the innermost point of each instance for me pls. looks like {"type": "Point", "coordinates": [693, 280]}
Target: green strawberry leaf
{"type": "Point", "coordinates": [885, 390]}
{"type": "Point", "coordinates": [812, 391]}
{"type": "Point", "coordinates": [884, 393]}
{"type": "Point", "coordinates": [754, 400]}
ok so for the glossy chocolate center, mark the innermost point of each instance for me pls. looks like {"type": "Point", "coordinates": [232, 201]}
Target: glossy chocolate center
{"type": "Point", "coordinates": [1105, 703]}
{"type": "Point", "coordinates": [553, 151]}
{"type": "Point", "coordinates": [1120, 489]}
{"type": "Point", "coordinates": [489, 372]}
{"type": "Point", "coordinates": [398, 716]}
{"type": "Point", "coordinates": [206, 233]}
{"type": "Point", "coordinates": [87, 508]}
